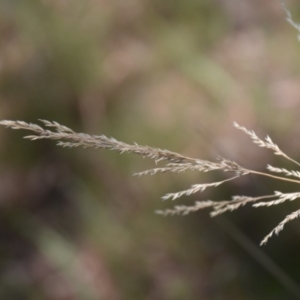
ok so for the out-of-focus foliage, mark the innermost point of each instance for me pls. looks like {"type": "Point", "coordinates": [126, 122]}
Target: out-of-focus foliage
{"type": "Point", "coordinates": [174, 74]}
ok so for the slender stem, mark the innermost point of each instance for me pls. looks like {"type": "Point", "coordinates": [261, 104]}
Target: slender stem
{"type": "Point", "coordinates": [222, 204]}
{"type": "Point", "coordinates": [264, 197]}
{"type": "Point", "coordinates": [252, 199]}
{"type": "Point", "coordinates": [294, 161]}
{"type": "Point", "coordinates": [275, 177]}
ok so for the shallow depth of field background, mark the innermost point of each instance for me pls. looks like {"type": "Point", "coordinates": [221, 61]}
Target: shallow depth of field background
{"type": "Point", "coordinates": [174, 74]}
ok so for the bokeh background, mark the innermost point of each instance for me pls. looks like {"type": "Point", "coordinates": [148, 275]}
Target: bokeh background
{"type": "Point", "coordinates": [174, 74]}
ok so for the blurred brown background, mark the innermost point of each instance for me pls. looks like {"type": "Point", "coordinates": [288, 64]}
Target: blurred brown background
{"type": "Point", "coordinates": [174, 74]}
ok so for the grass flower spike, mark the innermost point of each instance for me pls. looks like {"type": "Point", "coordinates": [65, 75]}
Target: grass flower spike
{"type": "Point", "coordinates": [177, 163]}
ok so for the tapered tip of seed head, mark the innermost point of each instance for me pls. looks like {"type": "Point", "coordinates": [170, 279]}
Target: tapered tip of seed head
{"type": "Point", "coordinates": [160, 212]}
{"type": "Point", "coordinates": [6, 122]}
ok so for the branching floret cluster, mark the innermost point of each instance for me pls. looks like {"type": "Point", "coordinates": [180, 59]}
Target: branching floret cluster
{"type": "Point", "coordinates": [177, 163]}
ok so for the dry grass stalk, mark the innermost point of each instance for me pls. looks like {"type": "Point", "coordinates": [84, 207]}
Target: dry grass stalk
{"type": "Point", "coordinates": [178, 163]}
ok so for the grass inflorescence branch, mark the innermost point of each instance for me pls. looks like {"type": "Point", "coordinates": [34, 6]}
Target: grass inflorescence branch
{"type": "Point", "coordinates": [177, 163]}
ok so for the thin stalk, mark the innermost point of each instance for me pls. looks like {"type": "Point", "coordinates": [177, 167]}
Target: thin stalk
{"type": "Point", "coordinates": [274, 177]}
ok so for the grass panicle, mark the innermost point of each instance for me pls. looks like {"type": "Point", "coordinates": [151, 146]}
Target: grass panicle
{"type": "Point", "coordinates": [177, 163]}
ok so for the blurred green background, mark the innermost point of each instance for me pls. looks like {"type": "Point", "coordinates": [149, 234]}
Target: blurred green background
{"type": "Point", "coordinates": [174, 74]}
